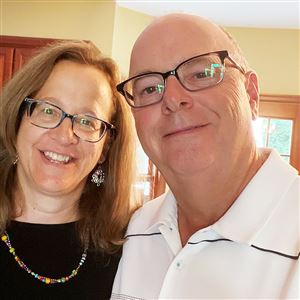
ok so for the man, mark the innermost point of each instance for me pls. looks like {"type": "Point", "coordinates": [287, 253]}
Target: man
{"type": "Point", "coordinates": [228, 227]}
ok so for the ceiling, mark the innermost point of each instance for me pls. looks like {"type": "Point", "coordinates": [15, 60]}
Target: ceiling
{"type": "Point", "coordinates": [237, 13]}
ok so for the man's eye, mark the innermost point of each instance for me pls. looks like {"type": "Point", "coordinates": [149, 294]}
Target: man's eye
{"type": "Point", "coordinates": [154, 89]}
{"type": "Point", "coordinates": [150, 90]}
{"type": "Point", "coordinates": [201, 75]}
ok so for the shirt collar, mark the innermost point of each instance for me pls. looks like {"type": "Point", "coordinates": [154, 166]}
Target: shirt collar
{"type": "Point", "coordinates": [252, 219]}
{"type": "Point", "coordinates": [260, 211]}
{"type": "Point", "coordinates": [167, 215]}
{"type": "Point", "coordinates": [157, 212]}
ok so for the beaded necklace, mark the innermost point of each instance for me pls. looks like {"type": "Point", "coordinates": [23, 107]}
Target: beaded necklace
{"type": "Point", "coordinates": [46, 280]}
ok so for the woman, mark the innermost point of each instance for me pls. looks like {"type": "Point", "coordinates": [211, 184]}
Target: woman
{"type": "Point", "coordinates": [66, 154]}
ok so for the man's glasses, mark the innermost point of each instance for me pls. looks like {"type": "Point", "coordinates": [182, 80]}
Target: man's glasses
{"type": "Point", "coordinates": [196, 73]}
{"type": "Point", "coordinates": [47, 115]}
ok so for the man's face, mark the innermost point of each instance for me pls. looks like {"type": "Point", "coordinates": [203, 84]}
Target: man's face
{"type": "Point", "coordinates": [187, 132]}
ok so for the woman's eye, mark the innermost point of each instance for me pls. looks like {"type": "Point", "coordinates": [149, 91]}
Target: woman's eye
{"type": "Point", "coordinates": [85, 122]}
{"type": "Point", "coordinates": [48, 111]}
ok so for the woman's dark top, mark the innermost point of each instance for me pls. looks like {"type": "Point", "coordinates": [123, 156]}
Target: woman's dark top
{"type": "Point", "coordinates": [53, 251]}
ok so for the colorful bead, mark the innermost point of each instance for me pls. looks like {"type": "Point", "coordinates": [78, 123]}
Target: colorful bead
{"type": "Point", "coordinates": [46, 280]}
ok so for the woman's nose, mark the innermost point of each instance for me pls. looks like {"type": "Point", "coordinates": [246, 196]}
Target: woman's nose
{"type": "Point", "coordinates": [64, 133]}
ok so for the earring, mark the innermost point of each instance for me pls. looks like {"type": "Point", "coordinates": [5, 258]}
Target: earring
{"type": "Point", "coordinates": [98, 176]}
{"type": "Point", "coordinates": [16, 160]}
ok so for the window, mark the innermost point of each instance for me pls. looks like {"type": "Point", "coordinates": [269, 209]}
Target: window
{"type": "Point", "coordinates": [280, 125]}
{"type": "Point", "coordinates": [274, 133]}
{"type": "Point", "coordinates": [150, 183]}
{"type": "Point", "coordinates": [143, 186]}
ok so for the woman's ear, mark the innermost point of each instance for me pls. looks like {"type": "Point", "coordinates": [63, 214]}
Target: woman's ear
{"type": "Point", "coordinates": [107, 143]}
{"type": "Point", "coordinates": [252, 90]}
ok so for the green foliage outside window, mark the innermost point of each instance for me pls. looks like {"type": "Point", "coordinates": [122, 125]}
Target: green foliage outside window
{"type": "Point", "coordinates": [275, 133]}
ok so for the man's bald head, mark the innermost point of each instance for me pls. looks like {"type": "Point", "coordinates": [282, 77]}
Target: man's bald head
{"type": "Point", "coordinates": [168, 34]}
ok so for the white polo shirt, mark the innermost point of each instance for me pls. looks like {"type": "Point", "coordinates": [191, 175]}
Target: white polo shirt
{"type": "Point", "coordinates": [251, 252]}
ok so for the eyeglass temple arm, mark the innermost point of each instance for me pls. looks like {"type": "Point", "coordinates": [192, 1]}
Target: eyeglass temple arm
{"type": "Point", "coordinates": [236, 65]}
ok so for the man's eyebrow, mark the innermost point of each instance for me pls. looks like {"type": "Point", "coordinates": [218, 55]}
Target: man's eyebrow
{"type": "Point", "coordinates": [181, 60]}
{"type": "Point", "coordinates": [143, 72]}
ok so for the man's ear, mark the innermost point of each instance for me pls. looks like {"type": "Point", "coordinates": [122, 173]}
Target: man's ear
{"type": "Point", "coordinates": [252, 90]}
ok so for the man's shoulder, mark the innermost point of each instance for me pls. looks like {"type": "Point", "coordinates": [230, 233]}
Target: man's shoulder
{"type": "Point", "coordinates": [280, 232]}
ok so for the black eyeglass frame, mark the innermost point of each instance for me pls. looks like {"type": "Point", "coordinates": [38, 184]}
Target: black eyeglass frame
{"type": "Point", "coordinates": [29, 101]}
{"type": "Point", "coordinates": [223, 54]}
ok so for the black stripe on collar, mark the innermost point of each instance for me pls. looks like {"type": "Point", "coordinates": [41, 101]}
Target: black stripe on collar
{"type": "Point", "coordinates": [209, 241]}
{"type": "Point", "coordinates": [219, 240]}
{"type": "Point", "coordinates": [258, 248]}
{"type": "Point", "coordinates": [142, 234]}
{"type": "Point", "coordinates": [276, 252]}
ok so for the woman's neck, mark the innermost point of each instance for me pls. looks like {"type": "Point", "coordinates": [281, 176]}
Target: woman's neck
{"type": "Point", "coordinates": [35, 207]}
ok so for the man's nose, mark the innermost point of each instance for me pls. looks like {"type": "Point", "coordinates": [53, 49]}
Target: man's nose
{"type": "Point", "coordinates": [64, 132]}
{"type": "Point", "coordinates": [175, 97]}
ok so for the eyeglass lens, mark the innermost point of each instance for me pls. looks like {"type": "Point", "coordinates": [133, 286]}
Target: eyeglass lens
{"type": "Point", "coordinates": [195, 74]}
{"type": "Point", "coordinates": [45, 115]}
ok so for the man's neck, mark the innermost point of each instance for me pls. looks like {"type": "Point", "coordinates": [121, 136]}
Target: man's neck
{"type": "Point", "coordinates": [204, 199]}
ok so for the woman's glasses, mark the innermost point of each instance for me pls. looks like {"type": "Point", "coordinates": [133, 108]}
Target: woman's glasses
{"type": "Point", "coordinates": [47, 115]}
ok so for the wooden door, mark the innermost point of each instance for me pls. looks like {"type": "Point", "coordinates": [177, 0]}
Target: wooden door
{"type": "Point", "coordinates": [15, 51]}
{"type": "Point", "coordinates": [6, 64]}
{"type": "Point", "coordinates": [21, 56]}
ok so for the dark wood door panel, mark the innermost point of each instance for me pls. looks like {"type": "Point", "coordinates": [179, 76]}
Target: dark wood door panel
{"type": "Point", "coordinates": [22, 55]}
{"type": "Point", "coordinates": [6, 63]}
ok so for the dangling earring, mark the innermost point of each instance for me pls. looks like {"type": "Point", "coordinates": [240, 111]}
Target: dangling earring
{"type": "Point", "coordinates": [16, 160]}
{"type": "Point", "coordinates": [98, 176]}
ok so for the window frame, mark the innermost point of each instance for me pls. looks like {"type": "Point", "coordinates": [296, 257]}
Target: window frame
{"type": "Point", "coordinates": [284, 107]}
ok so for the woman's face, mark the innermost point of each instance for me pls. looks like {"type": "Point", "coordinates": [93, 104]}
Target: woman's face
{"type": "Point", "coordinates": [56, 162]}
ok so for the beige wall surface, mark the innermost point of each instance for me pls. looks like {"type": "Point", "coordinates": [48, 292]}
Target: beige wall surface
{"type": "Point", "coordinates": [128, 25]}
{"type": "Point", "coordinates": [273, 53]}
{"type": "Point", "coordinates": [113, 29]}
{"type": "Point", "coordinates": [86, 20]}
